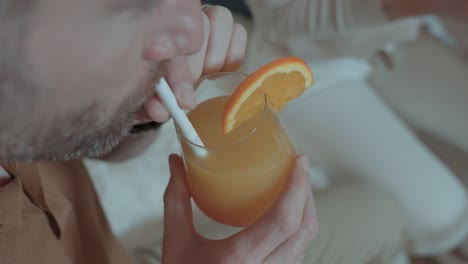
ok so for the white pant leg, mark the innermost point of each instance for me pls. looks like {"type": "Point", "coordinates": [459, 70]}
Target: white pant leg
{"type": "Point", "coordinates": [428, 87]}
{"type": "Point", "coordinates": [401, 258]}
{"type": "Point", "coordinates": [358, 224]}
{"type": "Point", "coordinates": [347, 128]}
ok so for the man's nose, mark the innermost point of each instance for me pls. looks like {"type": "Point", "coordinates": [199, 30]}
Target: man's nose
{"type": "Point", "coordinates": [177, 30]}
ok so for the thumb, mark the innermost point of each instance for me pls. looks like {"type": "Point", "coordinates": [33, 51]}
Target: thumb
{"type": "Point", "coordinates": [282, 220]}
{"type": "Point", "coordinates": [195, 62]}
{"type": "Point", "coordinates": [178, 223]}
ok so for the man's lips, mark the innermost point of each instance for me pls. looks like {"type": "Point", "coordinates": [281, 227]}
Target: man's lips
{"type": "Point", "coordinates": [152, 110]}
{"type": "Point", "coordinates": [143, 122]}
{"type": "Point", "coordinates": [142, 116]}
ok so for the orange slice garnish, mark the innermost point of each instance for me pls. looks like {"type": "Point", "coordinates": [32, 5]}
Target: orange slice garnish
{"type": "Point", "coordinates": [281, 81]}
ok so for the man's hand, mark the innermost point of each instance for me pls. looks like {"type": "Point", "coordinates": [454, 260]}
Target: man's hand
{"type": "Point", "coordinates": [282, 235]}
{"type": "Point", "coordinates": [456, 9]}
{"type": "Point", "coordinates": [223, 49]}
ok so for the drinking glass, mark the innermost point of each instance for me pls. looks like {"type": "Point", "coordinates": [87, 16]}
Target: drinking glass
{"type": "Point", "coordinates": [243, 171]}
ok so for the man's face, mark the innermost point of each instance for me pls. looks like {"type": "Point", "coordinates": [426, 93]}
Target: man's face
{"type": "Point", "coordinates": [89, 66]}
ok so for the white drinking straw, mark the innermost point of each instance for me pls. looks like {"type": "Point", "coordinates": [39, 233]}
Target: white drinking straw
{"type": "Point", "coordinates": [168, 99]}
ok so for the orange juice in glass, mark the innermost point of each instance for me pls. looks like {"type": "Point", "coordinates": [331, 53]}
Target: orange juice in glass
{"type": "Point", "coordinates": [244, 170]}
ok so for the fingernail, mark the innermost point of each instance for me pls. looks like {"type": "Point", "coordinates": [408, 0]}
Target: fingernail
{"type": "Point", "coordinates": [188, 95]}
{"type": "Point", "coordinates": [304, 162]}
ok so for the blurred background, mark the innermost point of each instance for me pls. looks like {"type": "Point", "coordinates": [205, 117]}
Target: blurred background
{"type": "Point", "coordinates": [388, 111]}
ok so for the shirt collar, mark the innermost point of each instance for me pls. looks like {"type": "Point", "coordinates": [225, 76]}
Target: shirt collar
{"type": "Point", "coordinates": [26, 179]}
{"type": "Point", "coordinates": [10, 204]}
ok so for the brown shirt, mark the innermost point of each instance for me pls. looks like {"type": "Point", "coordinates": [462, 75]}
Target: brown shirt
{"type": "Point", "coordinates": [50, 213]}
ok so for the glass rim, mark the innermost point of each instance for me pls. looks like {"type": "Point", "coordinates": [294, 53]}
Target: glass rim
{"type": "Point", "coordinates": [260, 120]}
{"type": "Point", "coordinates": [204, 78]}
